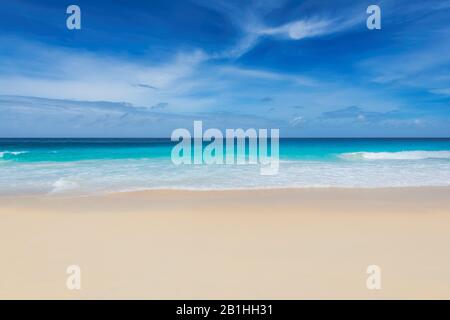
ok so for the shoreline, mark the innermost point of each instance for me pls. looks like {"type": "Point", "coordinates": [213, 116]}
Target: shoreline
{"type": "Point", "coordinates": [150, 191]}
{"type": "Point", "coordinates": [258, 244]}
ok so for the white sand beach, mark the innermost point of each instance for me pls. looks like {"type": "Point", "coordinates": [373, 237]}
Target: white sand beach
{"type": "Point", "coordinates": [271, 244]}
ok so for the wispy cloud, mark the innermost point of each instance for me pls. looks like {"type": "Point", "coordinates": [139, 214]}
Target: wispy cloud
{"type": "Point", "coordinates": [253, 25]}
{"type": "Point", "coordinates": [308, 28]}
{"type": "Point", "coordinates": [32, 116]}
{"type": "Point", "coordinates": [405, 67]}
{"type": "Point", "coordinates": [77, 75]}
{"type": "Point", "coordinates": [235, 61]}
{"type": "Point", "coordinates": [298, 79]}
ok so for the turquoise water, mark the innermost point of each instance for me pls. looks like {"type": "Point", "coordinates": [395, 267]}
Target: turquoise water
{"type": "Point", "coordinates": [84, 166]}
{"type": "Point", "coordinates": [66, 150]}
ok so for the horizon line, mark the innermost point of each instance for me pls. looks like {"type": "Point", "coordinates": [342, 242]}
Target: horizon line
{"type": "Point", "coordinates": [359, 137]}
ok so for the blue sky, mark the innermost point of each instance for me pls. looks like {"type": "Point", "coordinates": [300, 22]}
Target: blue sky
{"type": "Point", "coordinates": [143, 68]}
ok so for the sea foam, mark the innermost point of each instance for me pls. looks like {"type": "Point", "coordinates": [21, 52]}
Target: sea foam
{"type": "Point", "coordinates": [14, 153]}
{"type": "Point", "coordinates": [60, 168]}
{"type": "Point", "coordinates": [400, 155]}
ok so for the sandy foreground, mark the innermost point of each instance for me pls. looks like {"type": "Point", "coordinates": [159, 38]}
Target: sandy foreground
{"type": "Point", "coordinates": [274, 244]}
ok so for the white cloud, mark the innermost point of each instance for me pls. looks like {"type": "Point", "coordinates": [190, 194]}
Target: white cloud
{"type": "Point", "coordinates": [269, 75]}
{"type": "Point", "coordinates": [422, 67]}
{"type": "Point", "coordinates": [73, 74]}
{"type": "Point", "coordinates": [31, 116]}
{"type": "Point", "coordinates": [253, 26]}
{"type": "Point", "coordinates": [186, 81]}
{"type": "Point", "coordinates": [300, 29]}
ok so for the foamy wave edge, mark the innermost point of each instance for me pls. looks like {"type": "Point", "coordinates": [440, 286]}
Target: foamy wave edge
{"type": "Point", "coordinates": [400, 155]}
{"type": "Point", "coordinates": [14, 153]}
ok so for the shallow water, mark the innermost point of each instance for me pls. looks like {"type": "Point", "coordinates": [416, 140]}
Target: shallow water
{"type": "Point", "coordinates": [86, 166]}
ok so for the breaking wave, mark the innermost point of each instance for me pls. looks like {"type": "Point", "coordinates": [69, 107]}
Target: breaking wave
{"type": "Point", "coordinates": [400, 155]}
{"type": "Point", "coordinates": [10, 153]}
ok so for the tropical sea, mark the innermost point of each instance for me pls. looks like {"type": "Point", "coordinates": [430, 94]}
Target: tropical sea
{"type": "Point", "coordinates": [93, 166]}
